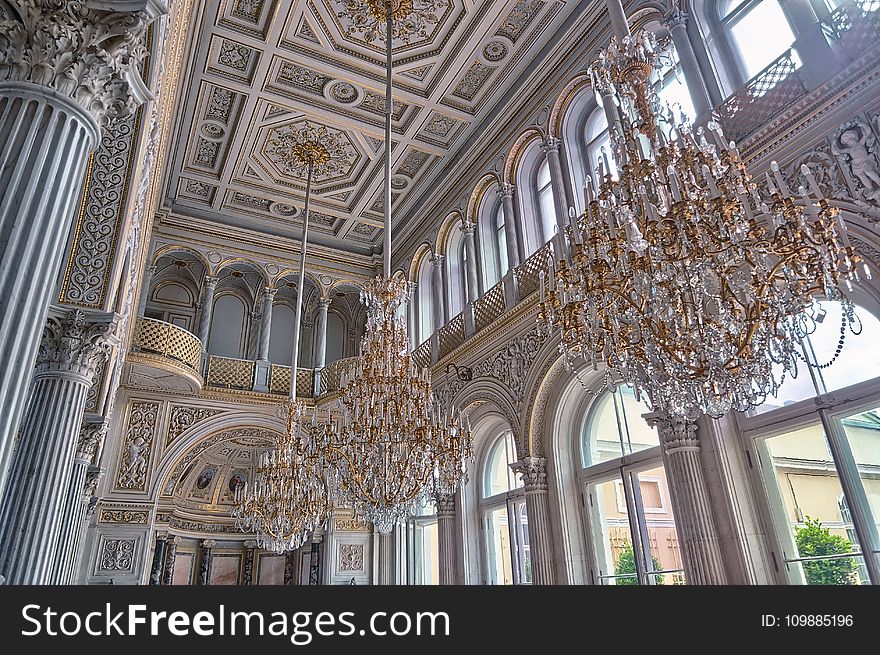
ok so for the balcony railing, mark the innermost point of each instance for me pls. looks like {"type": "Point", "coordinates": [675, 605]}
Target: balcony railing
{"type": "Point", "coordinates": [765, 96]}
{"type": "Point", "coordinates": [489, 307]}
{"type": "Point", "coordinates": [855, 26]}
{"type": "Point", "coordinates": [279, 381]}
{"type": "Point", "coordinates": [330, 375]}
{"type": "Point", "coordinates": [452, 335]}
{"type": "Point", "coordinates": [161, 338]}
{"type": "Point", "coordinates": [528, 273]}
{"type": "Point", "coordinates": [229, 373]}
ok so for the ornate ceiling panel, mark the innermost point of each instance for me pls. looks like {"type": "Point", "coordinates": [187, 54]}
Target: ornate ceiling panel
{"type": "Point", "coordinates": [262, 69]}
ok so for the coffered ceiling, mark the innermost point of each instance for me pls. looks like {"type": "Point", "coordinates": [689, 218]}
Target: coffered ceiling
{"type": "Point", "coordinates": [260, 69]}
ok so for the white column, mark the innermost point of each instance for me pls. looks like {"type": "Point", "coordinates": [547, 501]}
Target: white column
{"type": "Point", "coordinates": [72, 349]}
{"type": "Point", "coordinates": [561, 202]}
{"type": "Point", "coordinates": [446, 538]}
{"type": "Point", "coordinates": [87, 509]}
{"type": "Point", "coordinates": [533, 471]}
{"type": "Point", "coordinates": [207, 310]}
{"type": "Point", "coordinates": [91, 436]}
{"type": "Point", "coordinates": [470, 247]}
{"type": "Point", "coordinates": [266, 324]}
{"type": "Point", "coordinates": [438, 291]}
{"type": "Point", "coordinates": [690, 68]}
{"type": "Point", "coordinates": [65, 72]}
{"type": "Point", "coordinates": [515, 246]}
{"type": "Point", "coordinates": [692, 507]}
{"type": "Point", "coordinates": [321, 340]}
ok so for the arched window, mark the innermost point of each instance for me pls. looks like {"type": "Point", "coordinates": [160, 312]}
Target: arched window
{"type": "Point", "coordinates": [501, 240]}
{"type": "Point", "coordinates": [817, 460]}
{"type": "Point", "coordinates": [598, 142]}
{"type": "Point", "coordinates": [422, 544]}
{"type": "Point", "coordinates": [628, 506]}
{"type": "Point", "coordinates": [281, 335]}
{"type": "Point", "coordinates": [335, 337]}
{"type": "Point", "coordinates": [456, 272]}
{"type": "Point", "coordinates": [504, 515]}
{"type": "Point", "coordinates": [228, 333]}
{"type": "Point", "coordinates": [546, 205]}
{"type": "Point", "coordinates": [758, 33]}
{"type": "Point", "coordinates": [424, 300]}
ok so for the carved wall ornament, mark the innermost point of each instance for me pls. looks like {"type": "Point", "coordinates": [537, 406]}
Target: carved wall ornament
{"type": "Point", "coordinates": [137, 446]}
{"type": "Point", "coordinates": [351, 557]}
{"type": "Point", "coordinates": [473, 81]}
{"type": "Point", "coordinates": [284, 145]}
{"type": "Point", "coordinates": [184, 417]}
{"type": "Point", "coordinates": [855, 146]}
{"type": "Point", "coordinates": [117, 555]}
{"type": "Point", "coordinates": [91, 437]}
{"type": "Point", "coordinates": [519, 19]}
{"type": "Point", "coordinates": [88, 54]}
{"type": "Point", "coordinates": [234, 55]}
{"type": "Point", "coordinates": [415, 21]}
{"type": "Point", "coordinates": [76, 342]}
{"type": "Point", "coordinates": [124, 516]}
{"type": "Point", "coordinates": [219, 105]}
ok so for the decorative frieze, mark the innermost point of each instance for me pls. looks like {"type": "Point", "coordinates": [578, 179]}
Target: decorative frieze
{"type": "Point", "coordinates": [137, 517]}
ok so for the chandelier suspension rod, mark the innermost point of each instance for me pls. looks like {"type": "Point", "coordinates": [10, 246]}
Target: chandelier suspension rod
{"type": "Point", "coordinates": [297, 320]}
{"type": "Point", "coordinates": [389, 27]}
{"type": "Point", "coordinates": [619, 24]}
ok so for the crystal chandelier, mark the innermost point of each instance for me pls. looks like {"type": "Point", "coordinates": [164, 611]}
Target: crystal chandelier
{"type": "Point", "coordinates": [392, 445]}
{"type": "Point", "coordinates": [288, 499]}
{"type": "Point", "coordinates": [681, 278]}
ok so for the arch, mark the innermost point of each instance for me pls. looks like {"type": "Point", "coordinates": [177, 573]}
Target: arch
{"type": "Point", "coordinates": [289, 272]}
{"type": "Point", "coordinates": [519, 147]}
{"type": "Point", "coordinates": [490, 390]}
{"type": "Point", "coordinates": [563, 100]}
{"type": "Point", "coordinates": [425, 249]}
{"type": "Point", "coordinates": [338, 284]}
{"type": "Point", "coordinates": [446, 229]}
{"type": "Point", "coordinates": [201, 433]}
{"type": "Point", "coordinates": [171, 249]}
{"type": "Point", "coordinates": [240, 261]}
{"type": "Point", "coordinates": [476, 197]}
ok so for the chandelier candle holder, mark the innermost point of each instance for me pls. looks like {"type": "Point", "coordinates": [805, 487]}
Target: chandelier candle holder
{"type": "Point", "coordinates": [288, 499]}
{"type": "Point", "coordinates": [683, 278]}
{"type": "Point", "coordinates": [392, 445]}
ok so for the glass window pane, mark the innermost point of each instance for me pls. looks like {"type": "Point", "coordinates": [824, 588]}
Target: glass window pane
{"type": "Point", "coordinates": [548, 212]}
{"type": "Point", "coordinates": [498, 476]}
{"type": "Point", "coordinates": [498, 547]}
{"type": "Point", "coordinates": [860, 358]}
{"type": "Point", "coordinates": [817, 527]}
{"type": "Point", "coordinates": [611, 533]}
{"type": "Point", "coordinates": [761, 35]}
{"type": "Point", "coordinates": [616, 427]}
{"type": "Point", "coordinates": [427, 556]}
{"type": "Point", "coordinates": [674, 92]}
{"type": "Point", "coordinates": [659, 526]}
{"type": "Point", "coordinates": [863, 437]}
{"type": "Point", "coordinates": [524, 553]}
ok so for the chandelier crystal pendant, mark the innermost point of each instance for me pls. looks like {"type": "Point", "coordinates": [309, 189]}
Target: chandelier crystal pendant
{"type": "Point", "coordinates": [392, 445]}
{"type": "Point", "coordinates": [288, 499]}
{"type": "Point", "coordinates": [682, 279]}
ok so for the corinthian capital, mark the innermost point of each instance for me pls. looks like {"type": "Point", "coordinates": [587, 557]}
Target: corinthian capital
{"type": "Point", "coordinates": [77, 343]}
{"type": "Point", "coordinates": [533, 471]}
{"type": "Point", "coordinates": [676, 434]}
{"type": "Point", "coordinates": [87, 50]}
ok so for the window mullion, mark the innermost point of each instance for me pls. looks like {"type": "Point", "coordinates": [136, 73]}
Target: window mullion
{"type": "Point", "coordinates": [633, 512]}
{"type": "Point", "coordinates": [854, 492]}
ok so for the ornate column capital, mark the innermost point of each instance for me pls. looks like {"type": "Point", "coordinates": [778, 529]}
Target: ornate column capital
{"type": "Point", "coordinates": [211, 282]}
{"type": "Point", "coordinates": [250, 544]}
{"type": "Point", "coordinates": [208, 544]}
{"type": "Point", "coordinates": [324, 303]}
{"type": "Point", "coordinates": [533, 471]}
{"type": "Point", "coordinates": [81, 49]}
{"type": "Point", "coordinates": [77, 343]}
{"type": "Point", "coordinates": [468, 227]}
{"type": "Point", "coordinates": [676, 18]}
{"type": "Point", "coordinates": [550, 144]}
{"type": "Point", "coordinates": [174, 541]}
{"type": "Point", "coordinates": [91, 435]}
{"type": "Point", "coordinates": [445, 505]}
{"type": "Point", "coordinates": [676, 434]}
{"type": "Point", "coordinates": [437, 259]}
{"type": "Point", "coordinates": [506, 190]}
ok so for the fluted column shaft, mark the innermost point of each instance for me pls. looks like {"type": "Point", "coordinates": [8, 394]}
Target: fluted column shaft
{"type": "Point", "coordinates": [561, 203]}
{"type": "Point", "coordinates": [207, 310]}
{"type": "Point", "coordinates": [205, 560]}
{"type": "Point", "coordinates": [91, 435]}
{"type": "Point", "coordinates": [515, 246]}
{"type": "Point", "coordinates": [66, 71]}
{"type": "Point", "coordinates": [158, 560]}
{"type": "Point", "coordinates": [690, 67]}
{"type": "Point", "coordinates": [470, 247]}
{"type": "Point", "coordinates": [437, 291]}
{"type": "Point", "coordinates": [71, 350]}
{"type": "Point", "coordinates": [87, 508]}
{"type": "Point", "coordinates": [386, 560]}
{"type": "Point", "coordinates": [321, 340]}
{"type": "Point", "coordinates": [446, 538]}
{"type": "Point", "coordinates": [694, 521]}
{"type": "Point", "coordinates": [533, 471]}
{"type": "Point", "coordinates": [266, 324]}
{"type": "Point", "coordinates": [170, 559]}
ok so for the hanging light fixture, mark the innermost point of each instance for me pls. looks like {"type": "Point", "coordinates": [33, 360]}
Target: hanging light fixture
{"type": "Point", "coordinates": [682, 278]}
{"type": "Point", "coordinates": [392, 445]}
{"type": "Point", "coordinates": [288, 499]}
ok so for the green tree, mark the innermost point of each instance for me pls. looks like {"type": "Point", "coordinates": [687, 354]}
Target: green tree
{"type": "Point", "coordinates": [626, 565]}
{"type": "Point", "coordinates": [814, 540]}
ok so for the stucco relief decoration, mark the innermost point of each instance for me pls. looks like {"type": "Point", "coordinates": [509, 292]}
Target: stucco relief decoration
{"type": "Point", "coordinates": [183, 418]}
{"type": "Point", "coordinates": [414, 20]}
{"type": "Point", "coordinates": [351, 557]}
{"type": "Point", "coordinates": [137, 446]}
{"type": "Point", "coordinates": [855, 146]}
{"type": "Point", "coordinates": [90, 260]}
{"type": "Point", "coordinates": [124, 516]}
{"type": "Point", "coordinates": [823, 166]}
{"type": "Point", "coordinates": [219, 104]}
{"type": "Point", "coordinates": [234, 55]}
{"type": "Point", "coordinates": [117, 555]}
{"type": "Point", "coordinates": [89, 55]}
{"type": "Point", "coordinates": [520, 18]}
{"type": "Point", "coordinates": [285, 144]}
{"type": "Point", "coordinates": [473, 81]}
